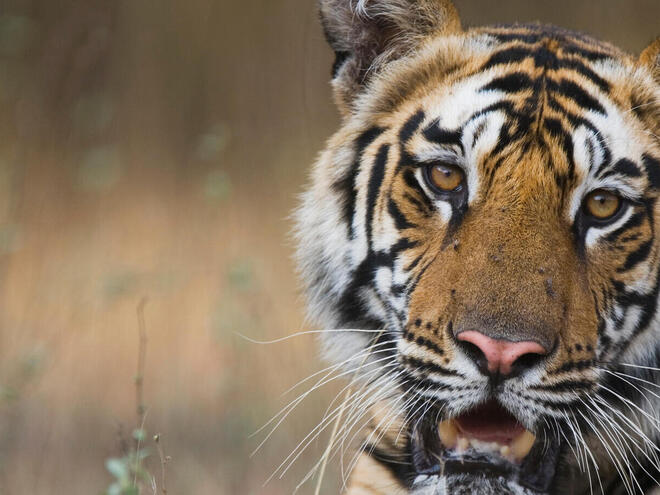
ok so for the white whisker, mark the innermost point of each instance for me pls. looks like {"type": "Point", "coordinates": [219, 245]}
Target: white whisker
{"type": "Point", "coordinates": [305, 332]}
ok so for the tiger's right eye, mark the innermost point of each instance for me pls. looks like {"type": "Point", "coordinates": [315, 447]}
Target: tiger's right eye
{"type": "Point", "coordinates": [602, 204]}
{"type": "Point", "coordinates": [445, 177]}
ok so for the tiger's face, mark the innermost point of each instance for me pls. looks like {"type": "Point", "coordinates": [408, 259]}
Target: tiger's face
{"type": "Point", "coordinates": [480, 240]}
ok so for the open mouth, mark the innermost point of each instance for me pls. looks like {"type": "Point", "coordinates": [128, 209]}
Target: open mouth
{"type": "Point", "coordinates": [487, 441]}
{"type": "Point", "coordinates": [488, 429]}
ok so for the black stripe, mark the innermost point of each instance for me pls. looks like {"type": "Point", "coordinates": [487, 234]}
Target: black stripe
{"type": "Point", "coordinates": [649, 306]}
{"type": "Point", "coordinates": [402, 244]}
{"type": "Point", "coordinates": [564, 386]}
{"type": "Point", "coordinates": [531, 33]}
{"type": "Point", "coordinates": [437, 134]}
{"type": "Point", "coordinates": [604, 148]}
{"type": "Point", "coordinates": [652, 167]}
{"type": "Point", "coordinates": [555, 128]}
{"type": "Point", "coordinates": [481, 127]}
{"type": "Point", "coordinates": [503, 105]}
{"type": "Point", "coordinates": [555, 405]}
{"type": "Point", "coordinates": [423, 342]}
{"type": "Point", "coordinates": [415, 383]}
{"type": "Point", "coordinates": [521, 36]}
{"type": "Point", "coordinates": [508, 56]}
{"type": "Point", "coordinates": [350, 302]}
{"type": "Point", "coordinates": [574, 365]}
{"type": "Point", "coordinates": [405, 133]}
{"type": "Point", "coordinates": [397, 290]}
{"type": "Point", "coordinates": [545, 58]}
{"type": "Point", "coordinates": [511, 83]}
{"type": "Point", "coordinates": [623, 167]}
{"type": "Point", "coordinates": [647, 303]}
{"type": "Point", "coordinates": [571, 90]}
{"type": "Point", "coordinates": [585, 71]}
{"type": "Point", "coordinates": [423, 208]}
{"type": "Point", "coordinates": [637, 256]}
{"type": "Point", "coordinates": [414, 262]}
{"type": "Point", "coordinates": [423, 203]}
{"type": "Point", "coordinates": [627, 167]}
{"type": "Point", "coordinates": [634, 221]}
{"type": "Point", "coordinates": [400, 220]}
{"type": "Point", "coordinates": [591, 55]}
{"type": "Point", "coordinates": [346, 186]}
{"type": "Point", "coordinates": [573, 119]}
{"type": "Point", "coordinates": [427, 366]}
{"type": "Point", "coordinates": [411, 125]}
{"type": "Point", "coordinates": [413, 283]}
{"type": "Point", "coordinates": [373, 188]}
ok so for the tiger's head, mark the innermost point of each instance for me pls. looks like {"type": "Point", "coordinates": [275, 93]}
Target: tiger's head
{"type": "Point", "coordinates": [480, 238]}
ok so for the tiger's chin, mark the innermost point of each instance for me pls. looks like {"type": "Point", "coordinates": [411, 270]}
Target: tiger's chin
{"type": "Point", "coordinates": [485, 450]}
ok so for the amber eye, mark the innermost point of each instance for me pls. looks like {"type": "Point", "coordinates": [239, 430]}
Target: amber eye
{"type": "Point", "coordinates": [602, 204]}
{"type": "Point", "coordinates": [445, 177]}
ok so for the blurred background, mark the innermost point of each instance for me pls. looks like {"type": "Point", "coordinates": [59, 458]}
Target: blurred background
{"type": "Point", "coordinates": [154, 150]}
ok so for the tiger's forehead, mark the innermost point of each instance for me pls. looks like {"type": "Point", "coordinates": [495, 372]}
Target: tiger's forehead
{"type": "Point", "coordinates": [508, 107]}
{"type": "Point", "coordinates": [507, 92]}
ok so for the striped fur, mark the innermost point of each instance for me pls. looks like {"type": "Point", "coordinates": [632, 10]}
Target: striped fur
{"type": "Point", "coordinates": [537, 117]}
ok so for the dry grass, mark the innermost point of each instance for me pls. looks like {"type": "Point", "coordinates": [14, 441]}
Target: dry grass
{"type": "Point", "coordinates": [71, 320]}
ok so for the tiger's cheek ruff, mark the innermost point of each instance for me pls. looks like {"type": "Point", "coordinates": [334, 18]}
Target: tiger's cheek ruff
{"type": "Point", "coordinates": [536, 119]}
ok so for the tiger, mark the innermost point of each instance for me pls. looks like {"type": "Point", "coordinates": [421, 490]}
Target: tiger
{"type": "Point", "coordinates": [478, 243]}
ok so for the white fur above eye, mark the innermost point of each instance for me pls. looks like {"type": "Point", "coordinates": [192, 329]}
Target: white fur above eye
{"type": "Point", "coordinates": [595, 233]}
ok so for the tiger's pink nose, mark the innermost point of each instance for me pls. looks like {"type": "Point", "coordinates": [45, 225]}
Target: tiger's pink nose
{"type": "Point", "coordinates": [501, 354]}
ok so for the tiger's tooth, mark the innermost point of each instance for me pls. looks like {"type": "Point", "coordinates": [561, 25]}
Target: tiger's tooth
{"type": "Point", "coordinates": [521, 446]}
{"type": "Point", "coordinates": [462, 444]}
{"type": "Point", "coordinates": [448, 433]}
{"type": "Point", "coordinates": [505, 451]}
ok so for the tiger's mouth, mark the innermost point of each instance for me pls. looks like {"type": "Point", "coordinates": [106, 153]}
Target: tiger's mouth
{"type": "Point", "coordinates": [486, 441]}
{"type": "Point", "coordinates": [487, 429]}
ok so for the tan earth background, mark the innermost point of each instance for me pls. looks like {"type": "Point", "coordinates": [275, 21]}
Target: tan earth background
{"type": "Point", "coordinates": [154, 149]}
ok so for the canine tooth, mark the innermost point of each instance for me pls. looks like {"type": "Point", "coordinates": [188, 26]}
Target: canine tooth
{"type": "Point", "coordinates": [463, 444]}
{"type": "Point", "coordinates": [523, 444]}
{"type": "Point", "coordinates": [448, 433]}
{"type": "Point", "coordinates": [505, 451]}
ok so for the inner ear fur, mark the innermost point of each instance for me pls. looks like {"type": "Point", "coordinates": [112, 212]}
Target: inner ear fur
{"type": "Point", "coordinates": [366, 34]}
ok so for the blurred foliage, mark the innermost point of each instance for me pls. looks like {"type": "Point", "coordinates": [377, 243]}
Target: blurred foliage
{"type": "Point", "coordinates": [213, 142]}
{"type": "Point", "coordinates": [9, 238]}
{"type": "Point", "coordinates": [100, 169]}
{"type": "Point", "coordinates": [217, 186]}
{"type": "Point", "coordinates": [92, 114]}
{"type": "Point", "coordinates": [120, 284]}
{"type": "Point", "coordinates": [130, 475]}
{"type": "Point", "coordinates": [17, 33]}
{"type": "Point", "coordinates": [25, 370]}
{"type": "Point", "coordinates": [240, 275]}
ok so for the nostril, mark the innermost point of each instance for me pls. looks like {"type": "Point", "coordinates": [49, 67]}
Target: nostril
{"type": "Point", "coordinates": [474, 353]}
{"type": "Point", "coordinates": [526, 361]}
{"type": "Point", "coordinates": [518, 356]}
{"type": "Point", "coordinates": [482, 350]}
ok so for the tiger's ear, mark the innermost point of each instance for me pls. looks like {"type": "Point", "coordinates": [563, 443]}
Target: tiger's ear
{"type": "Point", "coordinates": [366, 34]}
{"type": "Point", "coordinates": [650, 57]}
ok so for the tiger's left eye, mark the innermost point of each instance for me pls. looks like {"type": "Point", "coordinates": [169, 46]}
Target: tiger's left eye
{"type": "Point", "coordinates": [602, 204]}
{"type": "Point", "coordinates": [444, 177]}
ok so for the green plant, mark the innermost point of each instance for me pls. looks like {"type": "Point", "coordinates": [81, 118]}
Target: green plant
{"type": "Point", "coordinates": [130, 473]}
